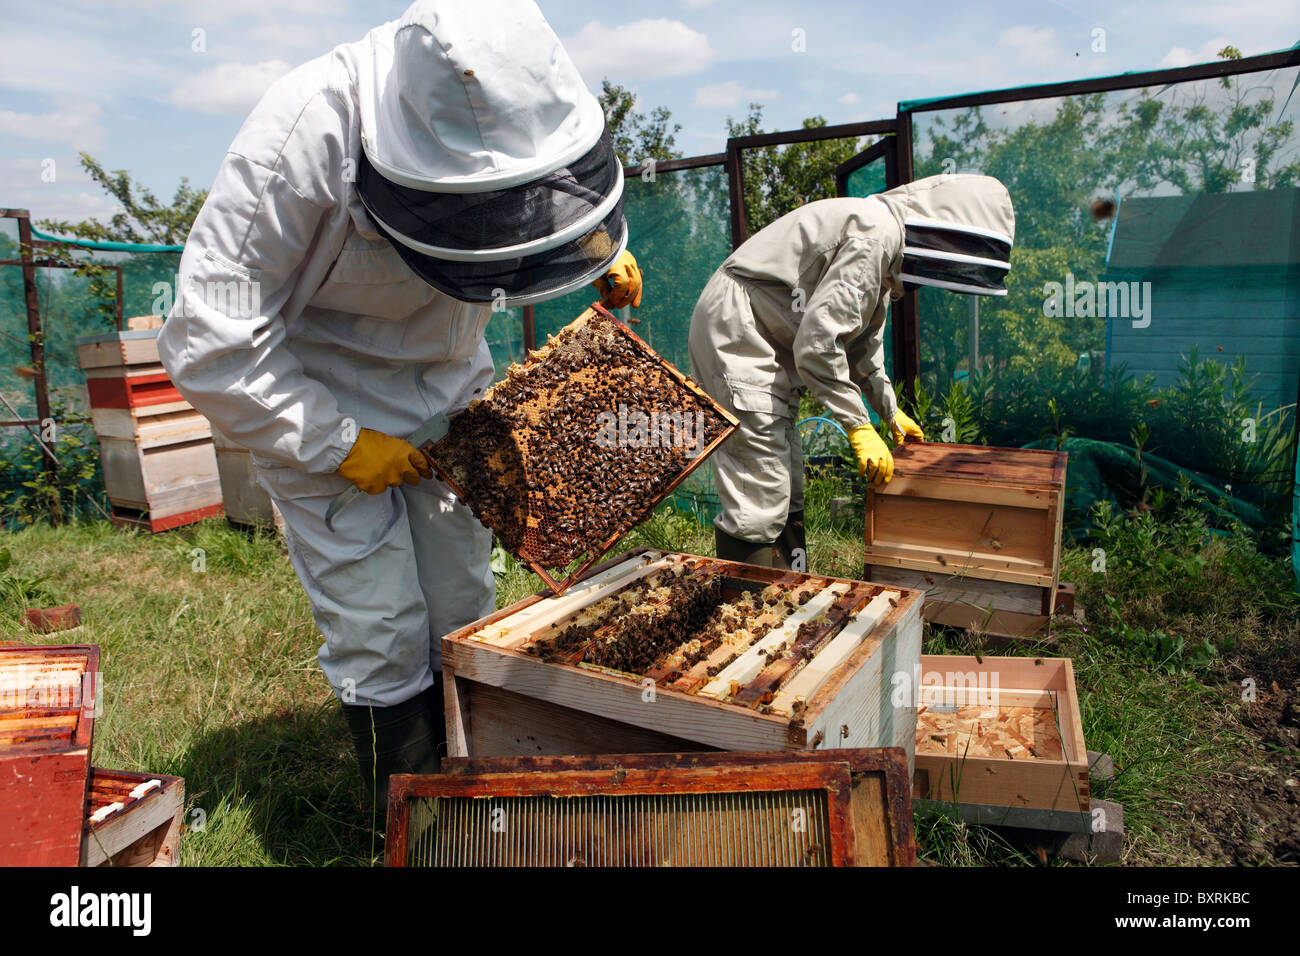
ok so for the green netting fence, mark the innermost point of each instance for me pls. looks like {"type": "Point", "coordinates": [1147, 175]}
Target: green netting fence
{"type": "Point", "coordinates": [1170, 328]}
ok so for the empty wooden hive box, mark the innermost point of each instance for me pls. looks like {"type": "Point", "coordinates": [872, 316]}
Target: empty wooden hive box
{"type": "Point", "coordinates": [977, 528]}
{"type": "Point", "coordinates": [160, 468]}
{"type": "Point", "coordinates": [47, 720]}
{"type": "Point", "coordinates": [1003, 738]}
{"type": "Point", "coordinates": [823, 808]}
{"type": "Point", "coordinates": [663, 652]}
{"type": "Point", "coordinates": [132, 819]}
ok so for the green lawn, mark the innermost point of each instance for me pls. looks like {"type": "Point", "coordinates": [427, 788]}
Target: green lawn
{"type": "Point", "coordinates": [209, 662]}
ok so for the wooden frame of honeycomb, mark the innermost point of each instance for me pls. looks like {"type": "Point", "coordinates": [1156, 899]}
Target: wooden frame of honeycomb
{"type": "Point", "coordinates": [578, 445]}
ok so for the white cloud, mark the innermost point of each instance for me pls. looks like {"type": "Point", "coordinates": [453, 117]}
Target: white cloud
{"type": "Point", "coordinates": [228, 87]}
{"type": "Point", "coordinates": [296, 36]}
{"type": "Point", "coordinates": [641, 50]}
{"type": "Point", "coordinates": [1031, 44]}
{"type": "Point", "coordinates": [1181, 56]}
{"type": "Point", "coordinates": [695, 4]}
{"type": "Point", "coordinates": [849, 99]}
{"type": "Point", "coordinates": [730, 93]}
{"type": "Point", "coordinates": [71, 123]}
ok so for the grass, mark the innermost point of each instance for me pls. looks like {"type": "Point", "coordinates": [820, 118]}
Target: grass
{"type": "Point", "coordinates": [209, 662]}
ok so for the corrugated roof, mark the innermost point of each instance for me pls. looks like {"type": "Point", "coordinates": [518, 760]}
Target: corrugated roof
{"type": "Point", "coordinates": [1248, 228]}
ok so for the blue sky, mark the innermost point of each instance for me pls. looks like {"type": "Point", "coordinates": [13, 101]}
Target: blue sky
{"type": "Point", "coordinates": [131, 83]}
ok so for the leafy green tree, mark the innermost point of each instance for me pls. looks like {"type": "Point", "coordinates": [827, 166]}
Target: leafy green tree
{"type": "Point", "coordinates": [143, 218]}
{"type": "Point", "coordinates": [637, 136]}
{"type": "Point", "coordinates": [780, 179]}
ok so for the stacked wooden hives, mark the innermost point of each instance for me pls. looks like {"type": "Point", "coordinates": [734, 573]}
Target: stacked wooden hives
{"type": "Point", "coordinates": [160, 469]}
{"type": "Point", "coordinates": [55, 809]}
{"type": "Point", "coordinates": [977, 528]}
{"type": "Point", "coordinates": [663, 652]}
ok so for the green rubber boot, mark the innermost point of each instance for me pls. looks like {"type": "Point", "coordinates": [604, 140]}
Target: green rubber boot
{"type": "Point", "coordinates": [746, 552]}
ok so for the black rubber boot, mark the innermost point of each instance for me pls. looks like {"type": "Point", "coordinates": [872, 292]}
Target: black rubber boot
{"type": "Point", "coordinates": [792, 546]}
{"type": "Point", "coordinates": [438, 715]}
{"type": "Point", "coordinates": [746, 552]}
{"type": "Point", "coordinates": [403, 738]}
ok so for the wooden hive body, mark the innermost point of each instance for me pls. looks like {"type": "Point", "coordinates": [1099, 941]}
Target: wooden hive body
{"type": "Point", "coordinates": [133, 819]}
{"type": "Point", "coordinates": [47, 702]}
{"type": "Point", "coordinates": [1001, 732]}
{"type": "Point", "coordinates": [503, 700]}
{"type": "Point", "coordinates": [977, 528]}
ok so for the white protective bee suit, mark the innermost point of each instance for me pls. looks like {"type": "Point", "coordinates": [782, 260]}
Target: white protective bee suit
{"type": "Point", "coordinates": [802, 304]}
{"type": "Point", "coordinates": [457, 104]}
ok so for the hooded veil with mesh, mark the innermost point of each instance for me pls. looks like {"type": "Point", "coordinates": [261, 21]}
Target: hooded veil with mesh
{"type": "Point", "coordinates": [957, 233]}
{"type": "Point", "coordinates": [486, 161]}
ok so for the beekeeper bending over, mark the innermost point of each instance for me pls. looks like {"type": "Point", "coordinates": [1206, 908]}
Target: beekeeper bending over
{"type": "Point", "coordinates": [802, 304]}
{"type": "Point", "coordinates": [375, 208]}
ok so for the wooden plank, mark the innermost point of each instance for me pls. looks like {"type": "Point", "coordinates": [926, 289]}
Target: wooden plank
{"type": "Point", "coordinates": [806, 683]}
{"type": "Point", "coordinates": [762, 688]}
{"type": "Point", "coordinates": [974, 592]}
{"type": "Point", "coordinates": [747, 666]}
{"type": "Point", "coordinates": [966, 490]}
{"type": "Point", "coordinates": [509, 724]}
{"type": "Point", "coordinates": [983, 463]}
{"type": "Point", "coordinates": [919, 557]}
{"type": "Point", "coordinates": [858, 703]}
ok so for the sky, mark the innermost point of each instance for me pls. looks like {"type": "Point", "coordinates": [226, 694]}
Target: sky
{"type": "Point", "coordinates": [160, 87]}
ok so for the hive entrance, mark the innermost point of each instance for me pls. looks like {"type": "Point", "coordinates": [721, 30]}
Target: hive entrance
{"type": "Point", "coordinates": [577, 445]}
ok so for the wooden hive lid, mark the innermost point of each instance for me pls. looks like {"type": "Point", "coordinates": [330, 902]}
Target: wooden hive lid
{"type": "Point", "coordinates": [1023, 467]}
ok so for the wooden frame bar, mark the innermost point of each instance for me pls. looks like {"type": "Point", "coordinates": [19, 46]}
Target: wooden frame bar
{"type": "Point", "coordinates": [869, 812]}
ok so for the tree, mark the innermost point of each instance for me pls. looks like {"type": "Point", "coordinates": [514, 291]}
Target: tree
{"type": "Point", "coordinates": [780, 179]}
{"type": "Point", "coordinates": [637, 137]}
{"type": "Point", "coordinates": [143, 218]}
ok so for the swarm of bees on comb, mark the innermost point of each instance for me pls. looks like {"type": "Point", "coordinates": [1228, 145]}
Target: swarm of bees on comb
{"type": "Point", "coordinates": [676, 627]}
{"type": "Point", "coordinates": [573, 447]}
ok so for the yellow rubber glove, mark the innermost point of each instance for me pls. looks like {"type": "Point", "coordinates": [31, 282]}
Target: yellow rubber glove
{"type": "Point", "coordinates": [621, 285]}
{"type": "Point", "coordinates": [902, 428]}
{"type": "Point", "coordinates": [874, 459]}
{"type": "Point", "coordinates": [378, 461]}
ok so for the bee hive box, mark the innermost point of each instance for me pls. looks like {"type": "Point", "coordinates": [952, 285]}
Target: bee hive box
{"type": "Point", "coordinates": [47, 719]}
{"type": "Point", "coordinates": [132, 819]}
{"type": "Point", "coordinates": [977, 528]}
{"type": "Point", "coordinates": [578, 445]}
{"type": "Point", "coordinates": [156, 452]}
{"type": "Point", "coordinates": [1000, 732]}
{"type": "Point", "coordinates": [662, 652]}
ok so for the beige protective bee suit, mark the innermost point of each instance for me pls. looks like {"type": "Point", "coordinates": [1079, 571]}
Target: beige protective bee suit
{"type": "Point", "coordinates": [803, 303]}
{"type": "Point", "coordinates": [299, 322]}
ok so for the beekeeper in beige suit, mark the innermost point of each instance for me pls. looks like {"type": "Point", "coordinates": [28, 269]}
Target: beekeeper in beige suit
{"type": "Point", "coordinates": [802, 304]}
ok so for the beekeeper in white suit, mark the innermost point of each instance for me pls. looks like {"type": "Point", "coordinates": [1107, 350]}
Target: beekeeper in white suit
{"type": "Point", "coordinates": [802, 304]}
{"type": "Point", "coordinates": [373, 209]}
